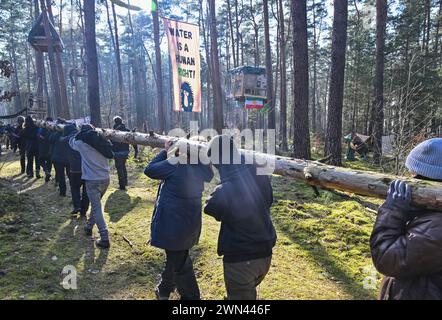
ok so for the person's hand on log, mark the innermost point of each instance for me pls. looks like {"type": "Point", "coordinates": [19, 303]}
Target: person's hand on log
{"type": "Point", "coordinates": [399, 197]}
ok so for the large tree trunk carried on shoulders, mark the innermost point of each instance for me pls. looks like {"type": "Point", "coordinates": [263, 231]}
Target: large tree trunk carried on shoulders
{"type": "Point", "coordinates": [425, 194]}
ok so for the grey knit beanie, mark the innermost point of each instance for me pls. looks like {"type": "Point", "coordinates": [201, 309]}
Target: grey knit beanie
{"type": "Point", "coordinates": [426, 159]}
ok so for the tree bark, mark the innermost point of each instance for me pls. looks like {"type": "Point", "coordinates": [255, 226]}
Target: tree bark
{"type": "Point", "coordinates": [218, 121]}
{"type": "Point", "coordinates": [381, 17]}
{"type": "Point", "coordinates": [333, 136]}
{"type": "Point", "coordinates": [283, 75]}
{"type": "Point", "coordinates": [301, 135]}
{"type": "Point", "coordinates": [159, 72]}
{"type": "Point", "coordinates": [426, 194]}
{"type": "Point", "coordinates": [271, 116]}
{"type": "Point", "coordinates": [93, 88]}
{"type": "Point", "coordinates": [64, 106]}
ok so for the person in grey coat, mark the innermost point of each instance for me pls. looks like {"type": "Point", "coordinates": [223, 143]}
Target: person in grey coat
{"type": "Point", "coordinates": [95, 172]}
{"type": "Point", "coordinates": [176, 221]}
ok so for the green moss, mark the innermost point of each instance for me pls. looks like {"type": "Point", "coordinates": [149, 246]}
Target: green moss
{"type": "Point", "coordinates": [321, 252]}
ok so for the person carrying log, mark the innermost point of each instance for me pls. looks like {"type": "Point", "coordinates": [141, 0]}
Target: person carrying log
{"type": "Point", "coordinates": [29, 133]}
{"type": "Point", "coordinates": [176, 221]}
{"type": "Point", "coordinates": [45, 150]}
{"type": "Point", "coordinates": [406, 243]}
{"type": "Point", "coordinates": [80, 200]}
{"type": "Point", "coordinates": [241, 202]}
{"type": "Point", "coordinates": [95, 153]}
{"type": "Point", "coordinates": [121, 153]}
{"type": "Point", "coordinates": [60, 159]}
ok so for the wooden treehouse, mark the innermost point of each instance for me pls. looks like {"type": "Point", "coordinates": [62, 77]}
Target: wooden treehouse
{"type": "Point", "coordinates": [37, 37]}
{"type": "Point", "coordinates": [248, 82]}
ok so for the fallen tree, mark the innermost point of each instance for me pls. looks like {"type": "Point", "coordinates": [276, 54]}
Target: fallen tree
{"type": "Point", "coordinates": [426, 194]}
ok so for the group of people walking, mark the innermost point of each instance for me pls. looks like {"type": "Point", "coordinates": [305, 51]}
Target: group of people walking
{"type": "Point", "coordinates": [405, 244]}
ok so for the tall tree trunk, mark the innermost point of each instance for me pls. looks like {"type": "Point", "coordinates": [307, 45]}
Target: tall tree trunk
{"type": "Point", "coordinates": [159, 73]}
{"type": "Point", "coordinates": [64, 106]}
{"type": "Point", "coordinates": [333, 136]}
{"type": "Point", "coordinates": [381, 18]}
{"type": "Point", "coordinates": [229, 9]}
{"type": "Point", "coordinates": [271, 116]}
{"type": "Point", "coordinates": [93, 88]}
{"type": "Point", "coordinates": [216, 76]}
{"type": "Point", "coordinates": [118, 58]}
{"type": "Point", "coordinates": [283, 75]}
{"type": "Point", "coordinates": [52, 62]}
{"type": "Point", "coordinates": [301, 135]}
{"type": "Point", "coordinates": [39, 65]}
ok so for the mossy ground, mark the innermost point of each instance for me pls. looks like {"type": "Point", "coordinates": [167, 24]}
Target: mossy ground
{"type": "Point", "coordinates": [322, 250]}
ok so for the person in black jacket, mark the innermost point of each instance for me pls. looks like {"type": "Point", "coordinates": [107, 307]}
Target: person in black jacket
{"type": "Point", "coordinates": [60, 159]}
{"type": "Point", "coordinates": [241, 202]}
{"type": "Point", "coordinates": [44, 150]}
{"type": "Point", "coordinates": [406, 243]}
{"type": "Point", "coordinates": [121, 153]}
{"type": "Point", "coordinates": [79, 195]}
{"type": "Point", "coordinates": [19, 142]}
{"type": "Point", "coordinates": [29, 133]}
{"type": "Point", "coordinates": [176, 221]}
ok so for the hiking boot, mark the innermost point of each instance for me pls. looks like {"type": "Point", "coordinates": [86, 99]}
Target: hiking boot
{"type": "Point", "coordinates": [38, 176]}
{"type": "Point", "coordinates": [47, 178]}
{"type": "Point", "coordinates": [104, 244]}
{"type": "Point", "coordinates": [87, 231]}
{"type": "Point", "coordinates": [75, 212]}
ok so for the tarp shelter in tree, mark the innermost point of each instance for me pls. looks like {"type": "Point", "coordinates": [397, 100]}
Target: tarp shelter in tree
{"type": "Point", "coordinates": [37, 37]}
{"type": "Point", "coordinates": [248, 82]}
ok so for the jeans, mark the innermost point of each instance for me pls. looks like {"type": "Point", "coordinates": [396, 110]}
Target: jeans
{"type": "Point", "coordinates": [178, 273]}
{"type": "Point", "coordinates": [120, 165]}
{"type": "Point", "coordinates": [242, 278]}
{"type": "Point", "coordinates": [78, 192]}
{"type": "Point", "coordinates": [31, 156]}
{"type": "Point", "coordinates": [61, 170]}
{"type": "Point", "coordinates": [95, 191]}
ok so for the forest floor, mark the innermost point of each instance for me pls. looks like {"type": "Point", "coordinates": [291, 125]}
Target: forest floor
{"type": "Point", "coordinates": [322, 250]}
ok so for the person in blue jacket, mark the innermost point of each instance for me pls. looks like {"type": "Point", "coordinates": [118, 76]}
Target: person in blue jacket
{"type": "Point", "coordinates": [176, 221]}
{"type": "Point", "coordinates": [60, 159]}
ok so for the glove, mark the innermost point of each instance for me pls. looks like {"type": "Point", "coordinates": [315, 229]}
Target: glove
{"type": "Point", "coordinates": [399, 197]}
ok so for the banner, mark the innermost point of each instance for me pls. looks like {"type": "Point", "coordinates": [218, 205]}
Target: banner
{"type": "Point", "coordinates": [184, 43]}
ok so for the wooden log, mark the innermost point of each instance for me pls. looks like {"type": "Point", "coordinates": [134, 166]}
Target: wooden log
{"type": "Point", "coordinates": [426, 194]}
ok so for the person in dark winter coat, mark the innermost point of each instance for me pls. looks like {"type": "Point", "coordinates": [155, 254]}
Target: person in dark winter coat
{"type": "Point", "coordinates": [121, 153]}
{"type": "Point", "coordinates": [60, 159]}
{"type": "Point", "coordinates": [241, 202]}
{"type": "Point", "coordinates": [29, 133]}
{"type": "Point", "coordinates": [44, 150]}
{"type": "Point", "coordinates": [406, 243]}
{"type": "Point", "coordinates": [79, 195]}
{"type": "Point", "coordinates": [176, 221]}
{"type": "Point", "coordinates": [19, 142]}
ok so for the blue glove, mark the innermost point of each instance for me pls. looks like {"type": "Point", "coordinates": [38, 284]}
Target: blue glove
{"type": "Point", "coordinates": [399, 197]}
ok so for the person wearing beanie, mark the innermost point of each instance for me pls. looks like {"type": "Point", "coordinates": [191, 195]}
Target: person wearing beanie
{"type": "Point", "coordinates": [59, 158]}
{"type": "Point", "coordinates": [241, 202]}
{"type": "Point", "coordinates": [95, 172]}
{"type": "Point", "coordinates": [406, 242]}
{"type": "Point", "coordinates": [121, 153]}
{"type": "Point", "coordinates": [29, 133]}
{"type": "Point", "coordinates": [45, 150]}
